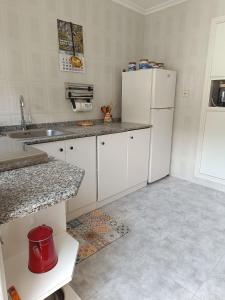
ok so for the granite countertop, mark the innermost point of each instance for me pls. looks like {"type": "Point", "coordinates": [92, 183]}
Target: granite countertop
{"type": "Point", "coordinates": [24, 191]}
{"type": "Point", "coordinates": [15, 155]}
{"type": "Point", "coordinates": [80, 132]}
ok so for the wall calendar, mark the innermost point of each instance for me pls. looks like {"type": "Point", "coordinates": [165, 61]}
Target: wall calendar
{"type": "Point", "coordinates": [71, 47]}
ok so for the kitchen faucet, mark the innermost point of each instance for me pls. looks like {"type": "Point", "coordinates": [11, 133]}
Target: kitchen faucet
{"type": "Point", "coordinates": [23, 122]}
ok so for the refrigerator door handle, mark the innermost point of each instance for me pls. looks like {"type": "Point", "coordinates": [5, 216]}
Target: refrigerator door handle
{"type": "Point", "coordinates": [161, 108]}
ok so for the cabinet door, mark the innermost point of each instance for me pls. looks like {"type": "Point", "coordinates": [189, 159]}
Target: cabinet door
{"type": "Point", "coordinates": [138, 156]}
{"type": "Point", "coordinates": [55, 149]}
{"type": "Point", "coordinates": [218, 63]}
{"type": "Point", "coordinates": [112, 164]}
{"type": "Point", "coordinates": [213, 152]}
{"type": "Point", "coordinates": [82, 153]}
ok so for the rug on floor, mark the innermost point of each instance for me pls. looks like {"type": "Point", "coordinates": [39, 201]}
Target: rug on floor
{"type": "Point", "coordinates": [94, 231]}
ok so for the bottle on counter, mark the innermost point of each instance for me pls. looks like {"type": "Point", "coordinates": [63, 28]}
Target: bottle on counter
{"type": "Point", "coordinates": [132, 66]}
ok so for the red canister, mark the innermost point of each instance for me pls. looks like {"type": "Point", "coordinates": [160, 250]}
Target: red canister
{"type": "Point", "coordinates": [42, 254]}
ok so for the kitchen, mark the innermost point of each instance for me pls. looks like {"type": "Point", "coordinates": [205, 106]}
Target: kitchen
{"type": "Point", "coordinates": [171, 228]}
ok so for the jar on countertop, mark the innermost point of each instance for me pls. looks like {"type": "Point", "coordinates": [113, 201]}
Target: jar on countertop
{"type": "Point", "coordinates": [144, 64]}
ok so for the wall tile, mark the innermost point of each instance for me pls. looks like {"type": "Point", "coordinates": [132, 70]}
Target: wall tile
{"type": "Point", "coordinates": [38, 98]}
{"type": "Point", "coordinates": [29, 55]}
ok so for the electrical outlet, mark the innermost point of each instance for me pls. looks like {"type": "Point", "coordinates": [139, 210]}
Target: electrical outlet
{"type": "Point", "coordinates": [186, 93]}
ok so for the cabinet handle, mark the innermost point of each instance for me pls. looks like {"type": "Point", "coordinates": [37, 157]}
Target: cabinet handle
{"type": "Point", "coordinates": [71, 148]}
{"type": "Point", "coordinates": [103, 143]}
{"type": "Point", "coordinates": [61, 149]}
{"type": "Point", "coordinates": [132, 137]}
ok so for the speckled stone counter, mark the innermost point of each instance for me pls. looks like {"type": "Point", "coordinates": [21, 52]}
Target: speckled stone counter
{"type": "Point", "coordinates": [27, 190]}
{"type": "Point", "coordinates": [95, 130]}
{"type": "Point", "coordinates": [14, 155]}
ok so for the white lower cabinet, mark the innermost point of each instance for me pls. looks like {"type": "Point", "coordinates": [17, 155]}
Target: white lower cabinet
{"type": "Point", "coordinates": [122, 161]}
{"type": "Point", "coordinates": [118, 163]}
{"type": "Point", "coordinates": [82, 153]}
{"type": "Point", "coordinates": [112, 164]}
{"type": "Point", "coordinates": [138, 156]}
{"type": "Point", "coordinates": [55, 149]}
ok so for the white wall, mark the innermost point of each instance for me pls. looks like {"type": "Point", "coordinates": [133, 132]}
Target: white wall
{"type": "Point", "coordinates": [179, 37]}
{"type": "Point", "coordinates": [113, 35]}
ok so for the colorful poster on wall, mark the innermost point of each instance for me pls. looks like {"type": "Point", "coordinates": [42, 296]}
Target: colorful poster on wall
{"type": "Point", "coordinates": [71, 47]}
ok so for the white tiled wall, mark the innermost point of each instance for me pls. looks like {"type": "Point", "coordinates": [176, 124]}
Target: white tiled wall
{"type": "Point", "coordinates": [113, 35]}
{"type": "Point", "coordinates": [179, 37]}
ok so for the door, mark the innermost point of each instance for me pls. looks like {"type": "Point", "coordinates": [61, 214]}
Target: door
{"type": "Point", "coordinates": [82, 153]}
{"type": "Point", "coordinates": [136, 96]}
{"type": "Point", "coordinates": [138, 156]}
{"type": "Point", "coordinates": [160, 145]}
{"type": "Point", "coordinates": [163, 88]}
{"type": "Point", "coordinates": [112, 164]}
{"type": "Point", "coordinates": [213, 149]}
{"type": "Point", "coordinates": [55, 149]}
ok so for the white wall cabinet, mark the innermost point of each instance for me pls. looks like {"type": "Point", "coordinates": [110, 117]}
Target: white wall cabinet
{"type": "Point", "coordinates": [210, 160]}
{"type": "Point", "coordinates": [138, 156]}
{"type": "Point", "coordinates": [213, 149]}
{"type": "Point", "coordinates": [112, 164]}
{"type": "Point", "coordinates": [218, 62]}
{"type": "Point", "coordinates": [82, 153]}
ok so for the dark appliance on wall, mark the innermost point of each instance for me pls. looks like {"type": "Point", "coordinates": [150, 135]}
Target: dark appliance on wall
{"type": "Point", "coordinates": [218, 93]}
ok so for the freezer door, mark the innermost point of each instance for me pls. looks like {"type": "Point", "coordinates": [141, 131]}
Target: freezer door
{"type": "Point", "coordinates": [163, 88]}
{"type": "Point", "coordinates": [136, 96]}
{"type": "Point", "coordinates": [160, 145]}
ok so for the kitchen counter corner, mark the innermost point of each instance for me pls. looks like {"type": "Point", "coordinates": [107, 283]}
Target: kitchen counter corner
{"type": "Point", "coordinates": [28, 190]}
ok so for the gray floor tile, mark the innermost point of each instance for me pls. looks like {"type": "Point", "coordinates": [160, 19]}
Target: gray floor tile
{"type": "Point", "coordinates": [212, 289]}
{"type": "Point", "coordinates": [174, 250]}
{"type": "Point", "coordinates": [155, 288]}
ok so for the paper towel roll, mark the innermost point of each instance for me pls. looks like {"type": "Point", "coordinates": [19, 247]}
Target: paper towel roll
{"type": "Point", "coordinates": [83, 107]}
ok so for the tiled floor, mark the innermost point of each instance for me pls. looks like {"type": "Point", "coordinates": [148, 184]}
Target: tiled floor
{"type": "Point", "coordinates": [175, 250]}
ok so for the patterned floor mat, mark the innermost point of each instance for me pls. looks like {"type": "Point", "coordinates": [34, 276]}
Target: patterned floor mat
{"type": "Point", "coordinates": [94, 231]}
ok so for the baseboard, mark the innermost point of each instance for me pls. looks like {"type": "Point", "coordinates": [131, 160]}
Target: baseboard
{"type": "Point", "coordinates": [202, 181]}
{"type": "Point", "coordinates": [83, 210]}
{"type": "Point", "coordinates": [121, 195]}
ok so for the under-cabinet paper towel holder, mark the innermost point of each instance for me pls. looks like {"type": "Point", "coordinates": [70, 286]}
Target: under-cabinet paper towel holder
{"type": "Point", "coordinates": [81, 96]}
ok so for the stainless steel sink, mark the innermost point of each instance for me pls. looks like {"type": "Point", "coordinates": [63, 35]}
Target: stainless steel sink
{"type": "Point", "coordinates": [34, 133]}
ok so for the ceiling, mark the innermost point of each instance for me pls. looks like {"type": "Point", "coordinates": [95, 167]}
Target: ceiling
{"type": "Point", "coordinates": [146, 7]}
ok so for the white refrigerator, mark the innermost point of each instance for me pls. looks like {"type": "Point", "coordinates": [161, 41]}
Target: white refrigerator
{"type": "Point", "coordinates": [148, 98]}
